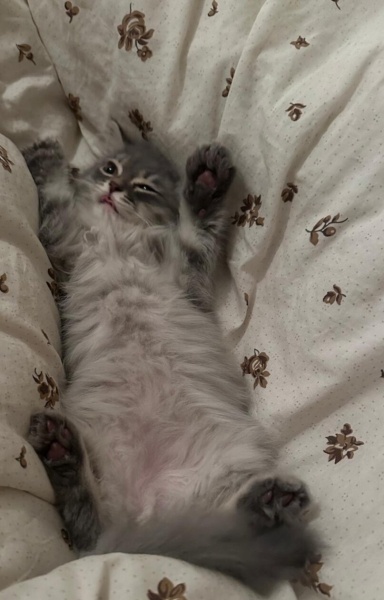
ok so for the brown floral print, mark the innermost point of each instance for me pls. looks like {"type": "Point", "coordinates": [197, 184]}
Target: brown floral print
{"type": "Point", "coordinates": [46, 337]}
{"type": "Point", "coordinates": [53, 285]}
{"type": "Point", "coordinates": [134, 31]}
{"type": "Point", "coordinates": [137, 119]}
{"type": "Point", "coordinates": [213, 10]}
{"type": "Point", "coordinates": [335, 295]}
{"type": "Point", "coordinates": [229, 80]}
{"type": "Point", "coordinates": [145, 52]}
{"type": "Point", "coordinates": [310, 577]}
{"type": "Point", "coordinates": [47, 388]}
{"type": "Point", "coordinates": [66, 538]}
{"type": "Point", "coordinates": [289, 192]}
{"type": "Point", "coordinates": [324, 226]}
{"type": "Point", "coordinates": [5, 161]}
{"type": "Point", "coordinates": [337, 3]}
{"type": "Point", "coordinates": [300, 43]}
{"type": "Point", "coordinates": [21, 458]}
{"type": "Point", "coordinates": [166, 590]}
{"type": "Point", "coordinates": [25, 50]}
{"type": "Point", "coordinates": [342, 444]}
{"type": "Point", "coordinates": [246, 298]}
{"type": "Point", "coordinates": [3, 286]}
{"type": "Point", "coordinates": [250, 209]}
{"type": "Point", "coordinates": [71, 10]}
{"type": "Point", "coordinates": [256, 365]}
{"type": "Point", "coordinates": [295, 111]}
{"type": "Point", "coordinates": [74, 105]}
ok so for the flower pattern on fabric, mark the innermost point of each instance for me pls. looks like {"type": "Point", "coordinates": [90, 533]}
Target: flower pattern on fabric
{"type": "Point", "coordinates": [46, 337]}
{"type": "Point", "coordinates": [71, 10]}
{"type": "Point", "coordinates": [47, 388]}
{"type": "Point", "coordinates": [310, 577]}
{"type": "Point", "coordinates": [53, 285]}
{"type": "Point", "coordinates": [66, 538]}
{"type": "Point", "coordinates": [25, 51]}
{"type": "Point", "coordinates": [137, 119]}
{"type": "Point", "coordinates": [213, 10]}
{"type": "Point", "coordinates": [166, 590]}
{"type": "Point", "coordinates": [21, 458]}
{"type": "Point", "coordinates": [334, 295]}
{"type": "Point", "coordinates": [3, 286]}
{"type": "Point", "coordinates": [133, 32]}
{"type": "Point", "coordinates": [74, 105]}
{"type": "Point", "coordinates": [325, 226]}
{"type": "Point", "coordinates": [250, 209]}
{"type": "Point", "coordinates": [256, 365]}
{"type": "Point", "coordinates": [295, 110]}
{"type": "Point", "coordinates": [289, 192]}
{"type": "Point", "coordinates": [300, 43]}
{"type": "Point", "coordinates": [342, 445]}
{"type": "Point", "coordinates": [229, 80]}
{"type": "Point", "coordinates": [5, 161]}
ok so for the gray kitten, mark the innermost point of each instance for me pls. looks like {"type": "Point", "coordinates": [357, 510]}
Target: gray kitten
{"type": "Point", "coordinates": [156, 452]}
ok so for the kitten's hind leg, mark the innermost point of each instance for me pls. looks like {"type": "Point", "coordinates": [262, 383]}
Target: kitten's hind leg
{"type": "Point", "coordinates": [60, 449]}
{"type": "Point", "coordinates": [203, 229]}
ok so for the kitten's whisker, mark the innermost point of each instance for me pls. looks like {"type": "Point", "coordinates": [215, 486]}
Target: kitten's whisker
{"type": "Point", "coordinates": [143, 219]}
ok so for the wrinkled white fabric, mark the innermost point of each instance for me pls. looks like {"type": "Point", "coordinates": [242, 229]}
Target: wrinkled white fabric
{"type": "Point", "coordinates": [308, 114]}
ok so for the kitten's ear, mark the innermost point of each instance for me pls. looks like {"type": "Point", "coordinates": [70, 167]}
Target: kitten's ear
{"type": "Point", "coordinates": [126, 139]}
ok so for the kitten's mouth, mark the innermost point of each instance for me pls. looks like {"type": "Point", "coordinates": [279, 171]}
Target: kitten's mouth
{"type": "Point", "coordinates": [107, 199]}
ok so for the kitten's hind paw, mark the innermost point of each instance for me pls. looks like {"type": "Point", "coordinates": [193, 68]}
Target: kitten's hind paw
{"type": "Point", "coordinates": [274, 501]}
{"type": "Point", "coordinates": [58, 447]}
{"type": "Point", "coordinates": [209, 174]}
{"type": "Point", "coordinates": [43, 158]}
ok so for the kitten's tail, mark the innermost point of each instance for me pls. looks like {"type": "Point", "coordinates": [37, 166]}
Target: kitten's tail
{"type": "Point", "coordinates": [225, 543]}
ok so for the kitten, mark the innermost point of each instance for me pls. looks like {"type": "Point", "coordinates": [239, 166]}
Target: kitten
{"type": "Point", "coordinates": [156, 451]}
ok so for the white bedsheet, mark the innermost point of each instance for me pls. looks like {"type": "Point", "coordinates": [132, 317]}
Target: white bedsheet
{"type": "Point", "coordinates": [304, 120]}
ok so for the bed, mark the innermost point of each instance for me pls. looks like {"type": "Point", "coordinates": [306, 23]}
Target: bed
{"type": "Point", "coordinates": [296, 91]}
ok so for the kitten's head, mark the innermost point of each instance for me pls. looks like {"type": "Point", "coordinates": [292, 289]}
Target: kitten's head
{"type": "Point", "coordinates": [137, 184]}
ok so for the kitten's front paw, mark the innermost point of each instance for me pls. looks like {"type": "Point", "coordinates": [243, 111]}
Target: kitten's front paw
{"type": "Point", "coordinates": [274, 501]}
{"type": "Point", "coordinates": [58, 447]}
{"type": "Point", "coordinates": [43, 158]}
{"type": "Point", "coordinates": [209, 174]}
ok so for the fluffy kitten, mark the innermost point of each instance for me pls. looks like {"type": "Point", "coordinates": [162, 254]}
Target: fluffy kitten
{"type": "Point", "coordinates": [156, 452]}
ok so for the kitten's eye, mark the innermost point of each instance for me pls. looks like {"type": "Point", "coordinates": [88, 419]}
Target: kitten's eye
{"type": "Point", "coordinates": [110, 168]}
{"type": "Point", "coordinates": [146, 188]}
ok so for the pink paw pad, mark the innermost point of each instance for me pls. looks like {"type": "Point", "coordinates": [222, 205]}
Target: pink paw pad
{"type": "Point", "coordinates": [56, 451]}
{"type": "Point", "coordinates": [208, 179]}
{"type": "Point", "coordinates": [267, 497]}
{"type": "Point", "coordinates": [287, 499]}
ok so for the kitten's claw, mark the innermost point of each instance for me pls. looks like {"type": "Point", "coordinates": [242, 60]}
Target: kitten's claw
{"type": "Point", "coordinates": [209, 174]}
{"type": "Point", "coordinates": [274, 501]}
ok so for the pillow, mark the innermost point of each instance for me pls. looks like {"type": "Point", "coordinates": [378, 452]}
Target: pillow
{"type": "Point", "coordinates": [30, 528]}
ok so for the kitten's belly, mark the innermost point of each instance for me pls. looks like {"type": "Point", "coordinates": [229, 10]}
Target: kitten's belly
{"type": "Point", "coordinates": [146, 467]}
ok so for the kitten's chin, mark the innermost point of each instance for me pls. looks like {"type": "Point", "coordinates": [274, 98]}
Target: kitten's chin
{"type": "Point", "coordinates": [109, 203]}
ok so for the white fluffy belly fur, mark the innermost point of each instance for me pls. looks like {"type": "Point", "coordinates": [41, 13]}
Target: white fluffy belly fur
{"type": "Point", "coordinates": [153, 390]}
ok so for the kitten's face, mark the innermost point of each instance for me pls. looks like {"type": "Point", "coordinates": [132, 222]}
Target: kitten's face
{"type": "Point", "coordinates": [137, 184]}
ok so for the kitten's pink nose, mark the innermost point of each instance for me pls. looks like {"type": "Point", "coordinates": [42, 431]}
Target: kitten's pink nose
{"type": "Point", "coordinates": [114, 187]}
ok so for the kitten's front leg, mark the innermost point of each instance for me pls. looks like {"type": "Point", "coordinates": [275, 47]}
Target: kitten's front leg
{"type": "Point", "coordinates": [203, 227]}
{"type": "Point", "coordinates": [52, 175]}
{"type": "Point", "coordinates": [59, 447]}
